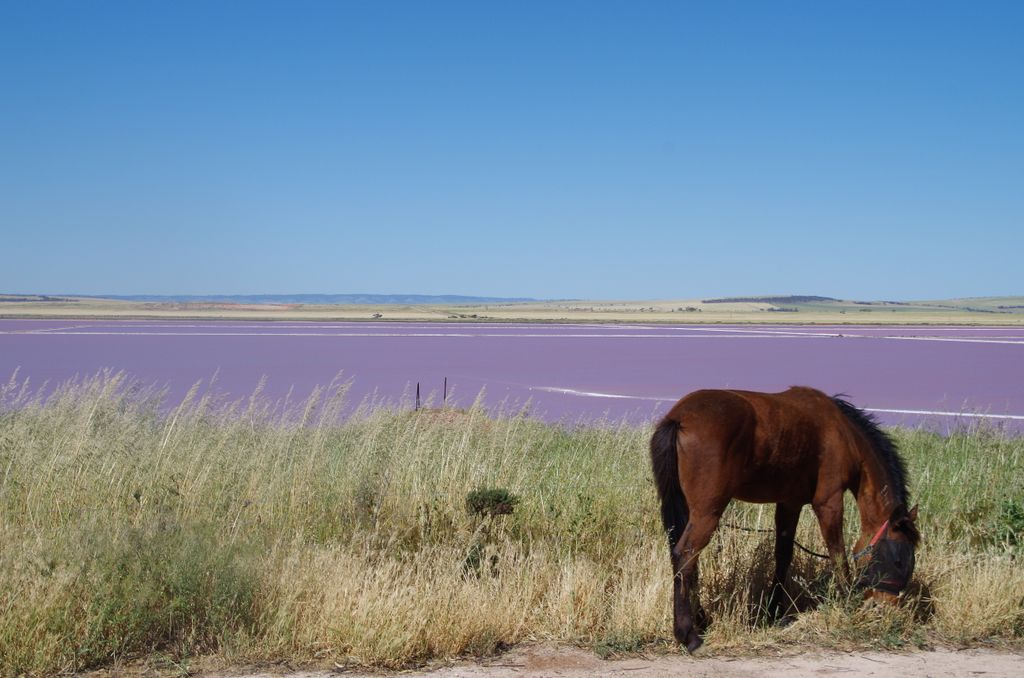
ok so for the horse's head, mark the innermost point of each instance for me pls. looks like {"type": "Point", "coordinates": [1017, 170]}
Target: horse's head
{"type": "Point", "coordinates": [888, 561]}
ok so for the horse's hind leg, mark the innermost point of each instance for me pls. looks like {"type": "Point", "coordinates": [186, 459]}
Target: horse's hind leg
{"type": "Point", "coordinates": [786, 518]}
{"type": "Point", "coordinates": [677, 579]}
{"type": "Point", "coordinates": [685, 554]}
{"type": "Point", "coordinates": [699, 617]}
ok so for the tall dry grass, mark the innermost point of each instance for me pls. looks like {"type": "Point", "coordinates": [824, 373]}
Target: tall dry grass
{"type": "Point", "coordinates": [258, 531]}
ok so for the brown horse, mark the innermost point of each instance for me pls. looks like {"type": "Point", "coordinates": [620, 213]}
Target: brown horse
{"type": "Point", "coordinates": [792, 448]}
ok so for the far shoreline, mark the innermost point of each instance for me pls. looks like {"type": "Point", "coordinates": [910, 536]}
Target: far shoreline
{"type": "Point", "coordinates": [1007, 311]}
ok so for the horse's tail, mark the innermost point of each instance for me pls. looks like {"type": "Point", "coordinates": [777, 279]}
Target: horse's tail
{"type": "Point", "coordinates": [674, 511]}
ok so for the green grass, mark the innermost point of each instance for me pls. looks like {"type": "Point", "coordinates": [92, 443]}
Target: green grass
{"type": "Point", "coordinates": [250, 534]}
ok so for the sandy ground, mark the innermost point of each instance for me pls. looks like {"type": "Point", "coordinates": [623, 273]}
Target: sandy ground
{"type": "Point", "coordinates": [571, 663]}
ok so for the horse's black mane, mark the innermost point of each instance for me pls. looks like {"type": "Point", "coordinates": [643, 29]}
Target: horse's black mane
{"type": "Point", "coordinates": [883, 445]}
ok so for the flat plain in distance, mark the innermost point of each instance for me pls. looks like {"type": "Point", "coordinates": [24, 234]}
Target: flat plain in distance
{"type": "Point", "coordinates": [773, 310]}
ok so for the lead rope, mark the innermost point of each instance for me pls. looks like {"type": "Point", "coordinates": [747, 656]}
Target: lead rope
{"type": "Point", "coordinates": [795, 542]}
{"type": "Point", "coordinates": [855, 556]}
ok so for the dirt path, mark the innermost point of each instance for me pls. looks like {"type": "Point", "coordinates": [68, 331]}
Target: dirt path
{"type": "Point", "coordinates": [574, 663]}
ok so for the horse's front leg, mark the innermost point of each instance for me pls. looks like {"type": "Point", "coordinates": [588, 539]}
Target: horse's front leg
{"type": "Point", "coordinates": [830, 518]}
{"type": "Point", "coordinates": [786, 518]}
{"type": "Point", "coordinates": [684, 558]}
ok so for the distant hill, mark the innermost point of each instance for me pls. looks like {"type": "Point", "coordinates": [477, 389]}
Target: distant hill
{"type": "Point", "coordinates": [368, 299]}
{"type": "Point", "coordinates": [769, 300]}
{"type": "Point", "coordinates": [28, 298]}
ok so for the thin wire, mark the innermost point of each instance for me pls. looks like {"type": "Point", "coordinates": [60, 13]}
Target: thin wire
{"type": "Point", "coordinates": [795, 542]}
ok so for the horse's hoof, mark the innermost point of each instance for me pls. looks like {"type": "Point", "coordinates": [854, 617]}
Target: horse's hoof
{"type": "Point", "coordinates": [694, 643]}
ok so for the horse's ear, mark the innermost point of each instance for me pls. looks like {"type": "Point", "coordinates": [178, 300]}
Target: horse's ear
{"type": "Point", "coordinates": [901, 515]}
{"type": "Point", "coordinates": [908, 525]}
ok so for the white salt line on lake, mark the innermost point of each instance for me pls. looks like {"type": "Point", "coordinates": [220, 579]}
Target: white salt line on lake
{"type": "Point", "coordinates": [720, 333]}
{"type": "Point", "coordinates": [787, 333]}
{"type": "Point", "coordinates": [939, 413]}
{"type": "Point", "coordinates": [936, 413]}
{"type": "Point", "coordinates": [595, 394]}
{"type": "Point", "coordinates": [406, 334]}
{"type": "Point", "coordinates": [59, 329]}
{"type": "Point", "coordinates": [852, 335]}
{"type": "Point", "coordinates": [957, 340]}
{"type": "Point", "coordinates": [883, 328]}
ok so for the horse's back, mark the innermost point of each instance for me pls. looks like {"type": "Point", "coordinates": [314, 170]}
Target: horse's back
{"type": "Point", "coordinates": [730, 409]}
{"type": "Point", "coordinates": [758, 446]}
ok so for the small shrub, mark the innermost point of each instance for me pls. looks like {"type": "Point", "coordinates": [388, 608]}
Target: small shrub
{"type": "Point", "coordinates": [491, 501]}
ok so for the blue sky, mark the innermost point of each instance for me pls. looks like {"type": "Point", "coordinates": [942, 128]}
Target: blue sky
{"type": "Point", "coordinates": [629, 150]}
